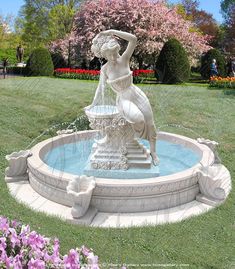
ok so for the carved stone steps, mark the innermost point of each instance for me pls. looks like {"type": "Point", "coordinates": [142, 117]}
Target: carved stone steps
{"type": "Point", "coordinates": [133, 145]}
{"type": "Point", "coordinates": [130, 151]}
{"type": "Point", "coordinates": [110, 156]}
{"type": "Point", "coordinates": [137, 156]}
{"type": "Point", "coordinates": [140, 163]}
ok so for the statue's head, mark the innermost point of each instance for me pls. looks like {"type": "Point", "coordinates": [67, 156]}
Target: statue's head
{"type": "Point", "coordinates": [105, 46]}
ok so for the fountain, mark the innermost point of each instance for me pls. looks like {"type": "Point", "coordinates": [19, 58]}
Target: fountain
{"type": "Point", "coordinates": [111, 175]}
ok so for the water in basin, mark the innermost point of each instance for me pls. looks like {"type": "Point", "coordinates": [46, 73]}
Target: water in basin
{"type": "Point", "coordinates": [72, 158]}
{"type": "Point", "coordinates": [103, 110]}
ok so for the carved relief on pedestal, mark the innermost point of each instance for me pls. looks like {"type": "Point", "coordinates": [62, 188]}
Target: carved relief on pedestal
{"type": "Point", "coordinates": [118, 149]}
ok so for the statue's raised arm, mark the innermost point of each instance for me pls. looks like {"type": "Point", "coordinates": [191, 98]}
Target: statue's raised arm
{"type": "Point", "coordinates": [132, 40]}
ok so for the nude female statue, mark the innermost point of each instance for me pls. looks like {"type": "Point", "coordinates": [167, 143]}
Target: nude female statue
{"type": "Point", "coordinates": [131, 102]}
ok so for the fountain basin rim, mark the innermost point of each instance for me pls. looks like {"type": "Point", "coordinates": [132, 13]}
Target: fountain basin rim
{"type": "Point", "coordinates": [36, 163]}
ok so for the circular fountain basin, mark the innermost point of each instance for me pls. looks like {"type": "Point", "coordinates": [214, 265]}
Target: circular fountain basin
{"type": "Point", "coordinates": [49, 175]}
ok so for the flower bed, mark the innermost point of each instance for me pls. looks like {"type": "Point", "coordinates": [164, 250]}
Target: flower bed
{"type": "Point", "coordinates": [225, 83]}
{"type": "Point", "coordinates": [141, 75]}
{"type": "Point", "coordinates": [21, 248]}
{"type": "Point", "coordinates": [138, 75]}
{"type": "Point", "coordinates": [77, 73]}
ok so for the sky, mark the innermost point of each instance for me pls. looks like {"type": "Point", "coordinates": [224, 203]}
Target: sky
{"type": "Point", "coordinates": [211, 6]}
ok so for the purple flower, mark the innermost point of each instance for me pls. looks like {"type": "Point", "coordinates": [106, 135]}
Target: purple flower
{"type": "Point", "coordinates": [93, 261]}
{"type": "Point", "coordinates": [36, 240]}
{"type": "Point", "coordinates": [71, 261]}
{"type": "Point", "coordinates": [14, 238]}
{"type": "Point", "coordinates": [36, 264]}
{"type": "Point", "coordinates": [35, 251]}
{"type": "Point", "coordinates": [17, 262]}
{"type": "Point", "coordinates": [85, 251]}
{"type": "Point", "coordinates": [4, 225]}
{"type": "Point", "coordinates": [15, 224]}
{"type": "Point", "coordinates": [25, 230]}
{"type": "Point", "coordinates": [5, 260]}
{"type": "Point", "coordinates": [3, 244]}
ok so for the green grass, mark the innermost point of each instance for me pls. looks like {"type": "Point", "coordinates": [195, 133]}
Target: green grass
{"type": "Point", "coordinates": [28, 106]}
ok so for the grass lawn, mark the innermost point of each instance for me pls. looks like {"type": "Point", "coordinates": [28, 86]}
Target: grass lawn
{"type": "Point", "coordinates": [28, 106]}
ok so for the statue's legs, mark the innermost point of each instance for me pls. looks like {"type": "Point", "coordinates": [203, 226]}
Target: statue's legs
{"type": "Point", "coordinates": [133, 114]}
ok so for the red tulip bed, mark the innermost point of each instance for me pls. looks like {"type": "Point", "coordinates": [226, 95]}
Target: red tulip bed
{"type": "Point", "coordinates": [77, 73]}
{"type": "Point", "coordinates": [139, 75]}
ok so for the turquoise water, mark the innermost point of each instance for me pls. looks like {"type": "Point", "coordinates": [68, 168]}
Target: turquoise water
{"type": "Point", "coordinates": [103, 110]}
{"type": "Point", "coordinates": [73, 158]}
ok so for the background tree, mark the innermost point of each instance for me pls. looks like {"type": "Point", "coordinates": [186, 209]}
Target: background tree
{"type": "Point", "coordinates": [153, 22]}
{"type": "Point", "coordinates": [227, 7]}
{"type": "Point", "coordinates": [9, 39]}
{"type": "Point", "coordinates": [203, 20]}
{"type": "Point", "coordinates": [44, 20]}
{"type": "Point", "coordinates": [228, 11]}
{"type": "Point", "coordinates": [60, 20]}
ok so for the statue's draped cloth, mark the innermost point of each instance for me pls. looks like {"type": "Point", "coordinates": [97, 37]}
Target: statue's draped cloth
{"type": "Point", "coordinates": [134, 106]}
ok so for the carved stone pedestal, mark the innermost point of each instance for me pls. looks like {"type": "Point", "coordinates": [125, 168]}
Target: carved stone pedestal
{"type": "Point", "coordinates": [118, 149]}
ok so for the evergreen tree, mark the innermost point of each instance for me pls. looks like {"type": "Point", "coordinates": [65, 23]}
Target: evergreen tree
{"type": "Point", "coordinates": [207, 60]}
{"type": "Point", "coordinates": [172, 64]}
{"type": "Point", "coordinates": [40, 63]}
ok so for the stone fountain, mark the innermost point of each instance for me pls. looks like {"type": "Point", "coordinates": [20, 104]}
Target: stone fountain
{"type": "Point", "coordinates": [109, 176]}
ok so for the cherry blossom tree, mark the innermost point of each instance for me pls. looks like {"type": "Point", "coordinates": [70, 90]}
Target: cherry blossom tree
{"type": "Point", "coordinates": [153, 22]}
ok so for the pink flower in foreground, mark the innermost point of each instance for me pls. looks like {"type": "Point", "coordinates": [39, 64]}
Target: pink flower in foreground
{"type": "Point", "coordinates": [14, 238]}
{"type": "Point", "coordinates": [36, 264]}
{"type": "Point", "coordinates": [4, 225]}
{"type": "Point", "coordinates": [71, 261]}
{"type": "Point", "coordinates": [22, 249]}
{"type": "Point", "coordinates": [17, 264]}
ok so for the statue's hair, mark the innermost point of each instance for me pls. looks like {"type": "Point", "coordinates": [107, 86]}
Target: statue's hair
{"type": "Point", "coordinates": [100, 45]}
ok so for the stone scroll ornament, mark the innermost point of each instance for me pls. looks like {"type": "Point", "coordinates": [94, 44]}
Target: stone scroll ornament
{"type": "Point", "coordinates": [214, 180]}
{"type": "Point", "coordinates": [17, 170]}
{"type": "Point", "coordinates": [80, 190]}
{"type": "Point", "coordinates": [212, 145]}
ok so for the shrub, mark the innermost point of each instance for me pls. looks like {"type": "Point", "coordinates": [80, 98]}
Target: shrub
{"type": "Point", "coordinates": [58, 60]}
{"type": "Point", "coordinates": [16, 70]}
{"type": "Point", "coordinates": [172, 64]}
{"type": "Point", "coordinates": [40, 63]}
{"type": "Point", "coordinates": [206, 61]}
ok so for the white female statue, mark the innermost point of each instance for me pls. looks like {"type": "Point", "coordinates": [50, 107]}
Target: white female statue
{"type": "Point", "coordinates": [131, 102]}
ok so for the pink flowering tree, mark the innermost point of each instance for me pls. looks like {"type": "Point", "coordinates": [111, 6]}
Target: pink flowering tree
{"type": "Point", "coordinates": [153, 22]}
